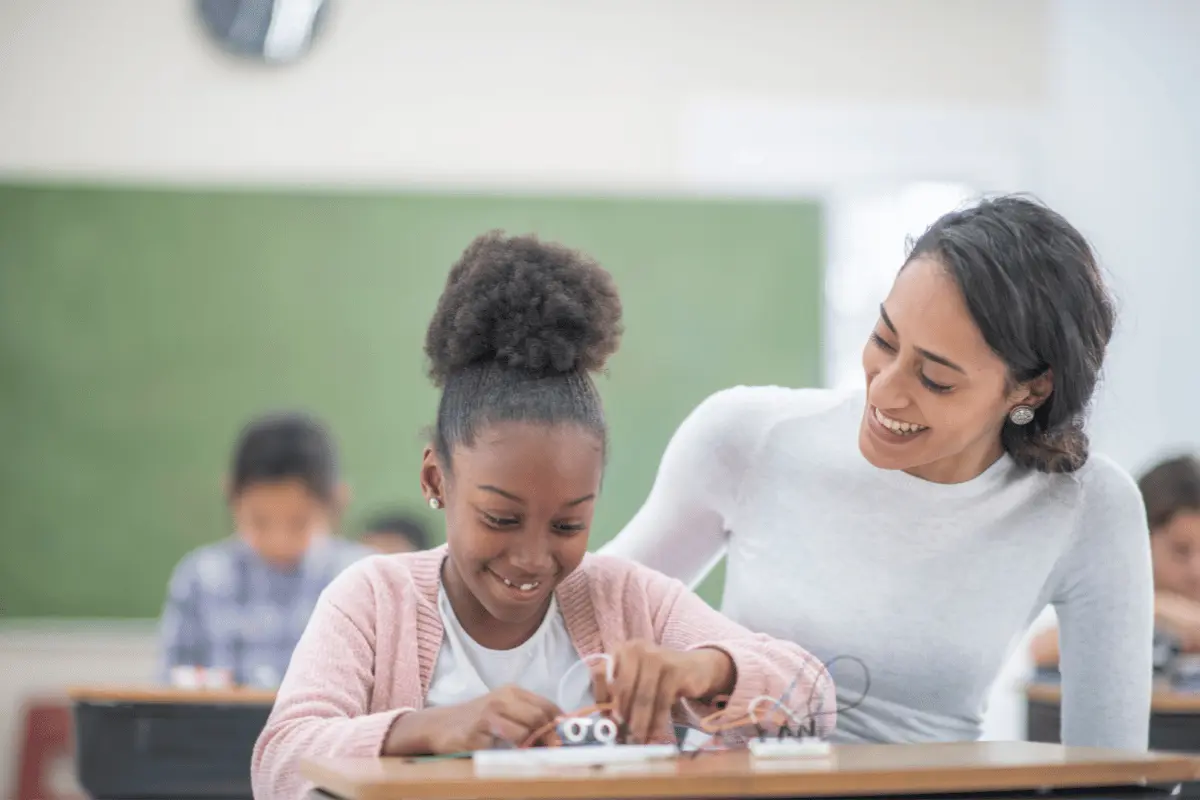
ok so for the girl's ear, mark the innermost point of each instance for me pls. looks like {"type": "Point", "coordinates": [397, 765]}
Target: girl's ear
{"type": "Point", "coordinates": [433, 481]}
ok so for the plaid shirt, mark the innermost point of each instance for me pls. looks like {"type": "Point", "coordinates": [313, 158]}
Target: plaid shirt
{"type": "Point", "coordinates": [227, 608]}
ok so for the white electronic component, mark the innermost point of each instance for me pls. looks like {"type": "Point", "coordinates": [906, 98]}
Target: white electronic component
{"type": "Point", "coordinates": [789, 748]}
{"type": "Point", "coordinates": [579, 756]}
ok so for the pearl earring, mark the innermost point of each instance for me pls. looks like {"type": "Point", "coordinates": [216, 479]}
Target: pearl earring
{"type": "Point", "coordinates": [1021, 415]}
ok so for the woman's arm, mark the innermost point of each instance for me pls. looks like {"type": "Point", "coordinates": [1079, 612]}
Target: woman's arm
{"type": "Point", "coordinates": [763, 666]}
{"type": "Point", "coordinates": [681, 528]}
{"type": "Point", "coordinates": [322, 706]}
{"type": "Point", "coordinates": [1105, 604]}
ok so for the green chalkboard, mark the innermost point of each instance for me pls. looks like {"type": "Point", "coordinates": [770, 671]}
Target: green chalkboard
{"type": "Point", "coordinates": [139, 328]}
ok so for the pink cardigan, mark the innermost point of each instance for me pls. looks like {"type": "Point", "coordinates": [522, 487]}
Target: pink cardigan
{"type": "Point", "coordinates": [355, 670]}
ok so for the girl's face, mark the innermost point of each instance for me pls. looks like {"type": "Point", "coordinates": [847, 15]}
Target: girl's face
{"type": "Point", "coordinates": [279, 520]}
{"type": "Point", "coordinates": [1176, 551]}
{"type": "Point", "coordinates": [937, 395]}
{"type": "Point", "coordinates": [518, 505]}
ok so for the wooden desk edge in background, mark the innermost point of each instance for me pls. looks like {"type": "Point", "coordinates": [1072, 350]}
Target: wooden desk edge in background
{"type": "Point", "coordinates": [853, 770]}
{"type": "Point", "coordinates": [1163, 701]}
{"type": "Point", "coordinates": [167, 694]}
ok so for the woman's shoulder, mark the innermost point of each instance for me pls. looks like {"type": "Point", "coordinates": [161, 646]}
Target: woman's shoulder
{"type": "Point", "coordinates": [742, 410]}
{"type": "Point", "coordinates": [1108, 488]}
{"type": "Point", "coordinates": [1109, 507]}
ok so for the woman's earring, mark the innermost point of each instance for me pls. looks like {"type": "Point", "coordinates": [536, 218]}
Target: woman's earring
{"type": "Point", "coordinates": [434, 503]}
{"type": "Point", "coordinates": [1021, 415]}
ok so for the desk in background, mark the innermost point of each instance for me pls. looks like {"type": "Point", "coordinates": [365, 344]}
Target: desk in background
{"type": "Point", "coordinates": [1174, 717]}
{"type": "Point", "coordinates": [167, 743]}
{"type": "Point", "coordinates": [1015, 769]}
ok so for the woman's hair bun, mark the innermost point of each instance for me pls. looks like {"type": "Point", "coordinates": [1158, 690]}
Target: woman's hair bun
{"type": "Point", "coordinates": [524, 304]}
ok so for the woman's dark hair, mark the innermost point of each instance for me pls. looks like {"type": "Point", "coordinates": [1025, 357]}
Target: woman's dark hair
{"type": "Point", "coordinates": [1033, 287]}
{"type": "Point", "coordinates": [285, 446]}
{"type": "Point", "coordinates": [1170, 487]}
{"type": "Point", "coordinates": [517, 332]}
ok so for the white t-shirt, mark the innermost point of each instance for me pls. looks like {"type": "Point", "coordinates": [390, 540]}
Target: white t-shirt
{"type": "Point", "coordinates": [466, 670]}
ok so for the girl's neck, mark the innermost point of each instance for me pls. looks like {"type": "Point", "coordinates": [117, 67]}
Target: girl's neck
{"type": "Point", "coordinates": [479, 623]}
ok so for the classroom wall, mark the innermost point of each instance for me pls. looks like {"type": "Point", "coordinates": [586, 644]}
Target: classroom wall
{"type": "Point", "coordinates": [527, 92]}
{"type": "Point", "coordinates": [1123, 161]}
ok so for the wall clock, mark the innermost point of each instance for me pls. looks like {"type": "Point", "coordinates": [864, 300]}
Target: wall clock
{"type": "Point", "coordinates": [273, 31]}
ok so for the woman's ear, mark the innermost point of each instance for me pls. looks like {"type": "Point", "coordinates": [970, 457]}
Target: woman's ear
{"type": "Point", "coordinates": [1035, 392]}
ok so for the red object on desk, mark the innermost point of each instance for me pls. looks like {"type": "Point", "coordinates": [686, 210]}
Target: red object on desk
{"type": "Point", "coordinates": [46, 741]}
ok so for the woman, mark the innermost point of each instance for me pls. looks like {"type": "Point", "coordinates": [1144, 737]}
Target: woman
{"type": "Point", "coordinates": [921, 528]}
{"type": "Point", "coordinates": [1171, 491]}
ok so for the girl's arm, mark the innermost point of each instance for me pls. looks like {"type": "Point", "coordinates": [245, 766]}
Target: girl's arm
{"type": "Point", "coordinates": [763, 666]}
{"type": "Point", "coordinates": [1180, 617]}
{"type": "Point", "coordinates": [322, 707]}
{"type": "Point", "coordinates": [1044, 648]}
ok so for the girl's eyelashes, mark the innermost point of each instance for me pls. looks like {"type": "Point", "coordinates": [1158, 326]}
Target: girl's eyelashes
{"type": "Point", "coordinates": [499, 522]}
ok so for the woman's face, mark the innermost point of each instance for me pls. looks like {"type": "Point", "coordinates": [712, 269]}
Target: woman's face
{"type": "Point", "coordinates": [937, 395]}
{"type": "Point", "coordinates": [1176, 551]}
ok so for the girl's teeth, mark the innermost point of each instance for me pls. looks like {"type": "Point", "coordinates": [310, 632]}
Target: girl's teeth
{"type": "Point", "coordinates": [524, 587]}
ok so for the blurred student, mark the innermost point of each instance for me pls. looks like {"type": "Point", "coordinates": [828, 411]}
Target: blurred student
{"type": "Point", "coordinates": [1171, 494]}
{"type": "Point", "coordinates": [396, 532]}
{"type": "Point", "coordinates": [241, 604]}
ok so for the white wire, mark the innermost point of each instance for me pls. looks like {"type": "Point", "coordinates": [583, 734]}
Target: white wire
{"type": "Point", "coordinates": [776, 703]}
{"type": "Point", "coordinates": [608, 673]}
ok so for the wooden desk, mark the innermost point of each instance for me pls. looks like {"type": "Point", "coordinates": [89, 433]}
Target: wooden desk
{"type": "Point", "coordinates": [1174, 719]}
{"type": "Point", "coordinates": [166, 694]}
{"type": "Point", "coordinates": [1164, 700]}
{"type": "Point", "coordinates": [156, 741]}
{"type": "Point", "coordinates": [851, 770]}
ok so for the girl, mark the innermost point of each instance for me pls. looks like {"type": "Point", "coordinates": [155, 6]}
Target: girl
{"type": "Point", "coordinates": [476, 644]}
{"type": "Point", "coordinates": [923, 523]}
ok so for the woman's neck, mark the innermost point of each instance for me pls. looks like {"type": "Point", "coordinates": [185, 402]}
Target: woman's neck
{"type": "Point", "coordinates": [478, 622]}
{"type": "Point", "coordinates": [961, 467]}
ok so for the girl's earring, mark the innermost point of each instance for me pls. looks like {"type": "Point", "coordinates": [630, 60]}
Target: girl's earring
{"type": "Point", "coordinates": [434, 503]}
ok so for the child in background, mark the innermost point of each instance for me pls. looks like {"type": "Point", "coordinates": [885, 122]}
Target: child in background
{"type": "Point", "coordinates": [478, 643]}
{"type": "Point", "coordinates": [395, 532]}
{"type": "Point", "coordinates": [1171, 493]}
{"type": "Point", "coordinates": [241, 604]}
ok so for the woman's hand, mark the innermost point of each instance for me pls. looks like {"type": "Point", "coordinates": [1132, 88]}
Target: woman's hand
{"type": "Point", "coordinates": [509, 714]}
{"type": "Point", "coordinates": [649, 679]}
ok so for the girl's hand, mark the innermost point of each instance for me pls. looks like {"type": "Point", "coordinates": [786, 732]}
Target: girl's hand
{"type": "Point", "coordinates": [509, 714]}
{"type": "Point", "coordinates": [649, 679]}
